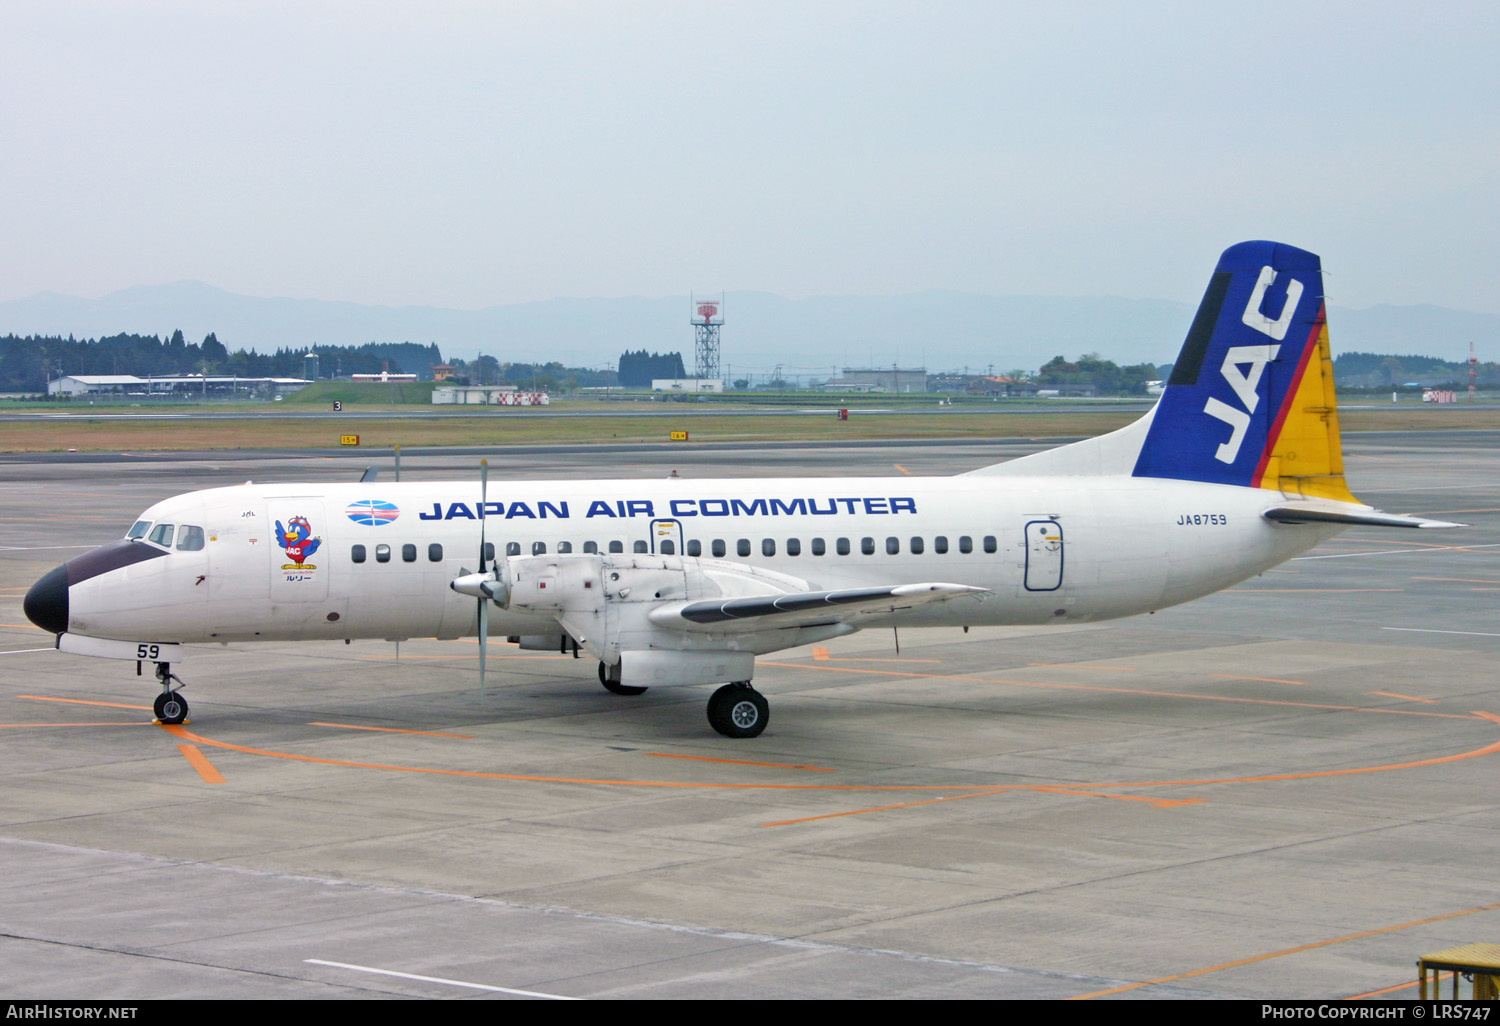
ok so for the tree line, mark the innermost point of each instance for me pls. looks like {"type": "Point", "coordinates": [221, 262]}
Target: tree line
{"type": "Point", "coordinates": [28, 363]}
{"type": "Point", "coordinates": [1105, 375]}
{"type": "Point", "coordinates": [638, 369]}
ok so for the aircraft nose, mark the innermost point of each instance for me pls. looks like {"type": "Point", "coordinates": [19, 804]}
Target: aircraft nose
{"type": "Point", "coordinates": [46, 604]}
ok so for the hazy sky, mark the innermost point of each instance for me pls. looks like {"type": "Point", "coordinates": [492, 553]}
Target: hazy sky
{"type": "Point", "coordinates": [467, 154]}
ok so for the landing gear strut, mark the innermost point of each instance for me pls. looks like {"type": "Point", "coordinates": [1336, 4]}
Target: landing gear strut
{"type": "Point", "coordinates": [609, 676]}
{"type": "Point", "coordinates": [738, 710]}
{"type": "Point", "coordinates": [170, 706]}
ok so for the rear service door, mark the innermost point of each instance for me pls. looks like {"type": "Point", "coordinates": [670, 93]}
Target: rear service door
{"type": "Point", "coordinates": [1044, 555]}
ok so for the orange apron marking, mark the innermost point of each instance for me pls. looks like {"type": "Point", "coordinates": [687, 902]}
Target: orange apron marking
{"type": "Point", "coordinates": [887, 808]}
{"type": "Point", "coordinates": [132, 723]}
{"type": "Point", "coordinates": [1268, 680]}
{"type": "Point", "coordinates": [1457, 580]}
{"type": "Point", "coordinates": [1121, 691]}
{"type": "Point", "coordinates": [1409, 698]}
{"type": "Point", "coordinates": [84, 701]}
{"type": "Point", "coordinates": [1285, 951]}
{"type": "Point", "coordinates": [200, 763]}
{"type": "Point", "coordinates": [188, 735]}
{"type": "Point", "coordinates": [389, 730]}
{"type": "Point", "coordinates": [1391, 990]}
{"type": "Point", "coordinates": [820, 654]}
{"type": "Point", "coordinates": [742, 762]}
{"type": "Point", "coordinates": [1307, 591]}
{"type": "Point", "coordinates": [461, 655]}
{"type": "Point", "coordinates": [1160, 803]}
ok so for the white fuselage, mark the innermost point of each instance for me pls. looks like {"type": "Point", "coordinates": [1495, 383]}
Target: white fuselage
{"type": "Point", "coordinates": [1050, 549]}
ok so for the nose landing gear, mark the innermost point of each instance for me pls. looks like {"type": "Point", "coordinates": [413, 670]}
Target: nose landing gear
{"type": "Point", "coordinates": [170, 706]}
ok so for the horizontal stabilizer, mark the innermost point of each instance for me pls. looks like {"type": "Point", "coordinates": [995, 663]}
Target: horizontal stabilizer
{"type": "Point", "coordinates": [775, 612]}
{"type": "Point", "coordinates": [1354, 517]}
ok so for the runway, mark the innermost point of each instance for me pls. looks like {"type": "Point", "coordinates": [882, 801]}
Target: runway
{"type": "Point", "coordinates": [1284, 790]}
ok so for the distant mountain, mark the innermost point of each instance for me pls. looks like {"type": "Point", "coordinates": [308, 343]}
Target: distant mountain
{"type": "Point", "coordinates": [941, 330]}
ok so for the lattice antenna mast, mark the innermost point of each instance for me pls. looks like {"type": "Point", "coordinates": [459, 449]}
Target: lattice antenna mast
{"type": "Point", "coordinates": [707, 318]}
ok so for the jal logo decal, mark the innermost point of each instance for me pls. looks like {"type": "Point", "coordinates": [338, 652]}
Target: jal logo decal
{"type": "Point", "coordinates": [372, 512]}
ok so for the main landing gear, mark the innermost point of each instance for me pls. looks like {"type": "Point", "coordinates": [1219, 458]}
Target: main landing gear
{"type": "Point", "coordinates": [170, 706]}
{"type": "Point", "coordinates": [609, 676]}
{"type": "Point", "coordinates": [735, 710]}
{"type": "Point", "coordinates": [738, 710]}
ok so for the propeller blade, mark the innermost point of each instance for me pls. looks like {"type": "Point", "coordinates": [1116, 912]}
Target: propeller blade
{"type": "Point", "coordinates": [484, 639]}
{"type": "Point", "coordinates": [484, 602]}
{"type": "Point", "coordinates": [484, 487]}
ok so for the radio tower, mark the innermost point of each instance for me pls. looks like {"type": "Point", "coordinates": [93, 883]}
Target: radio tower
{"type": "Point", "coordinates": [1473, 372]}
{"type": "Point", "coordinates": [707, 318]}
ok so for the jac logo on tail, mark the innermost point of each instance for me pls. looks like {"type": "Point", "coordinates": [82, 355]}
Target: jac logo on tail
{"type": "Point", "coordinates": [1244, 365]}
{"type": "Point", "coordinates": [1259, 321]}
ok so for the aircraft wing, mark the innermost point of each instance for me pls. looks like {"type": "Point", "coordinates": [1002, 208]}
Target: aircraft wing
{"type": "Point", "coordinates": [801, 609]}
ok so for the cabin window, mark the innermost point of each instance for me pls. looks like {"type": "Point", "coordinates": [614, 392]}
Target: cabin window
{"type": "Point", "coordinates": [382, 553]}
{"type": "Point", "coordinates": [564, 548]}
{"type": "Point", "coordinates": [719, 549]}
{"type": "Point", "coordinates": [511, 549]}
{"type": "Point", "coordinates": [940, 544]}
{"type": "Point", "coordinates": [592, 548]}
{"type": "Point", "coordinates": [916, 546]}
{"type": "Point", "coordinates": [668, 547]}
{"type": "Point", "coordinates": [538, 548]}
{"type": "Point", "coordinates": [965, 544]}
{"type": "Point", "coordinates": [893, 546]}
{"type": "Point", "coordinates": [138, 529]}
{"type": "Point", "coordinates": [867, 546]}
{"type": "Point", "coordinates": [162, 535]}
{"type": "Point", "coordinates": [794, 547]}
{"type": "Point", "coordinates": [489, 552]}
{"type": "Point", "coordinates": [641, 546]}
{"type": "Point", "coordinates": [842, 546]}
{"type": "Point", "coordinates": [768, 546]}
{"type": "Point", "coordinates": [817, 547]}
{"type": "Point", "coordinates": [989, 543]}
{"type": "Point", "coordinates": [190, 538]}
{"type": "Point", "coordinates": [617, 546]}
{"type": "Point", "coordinates": [434, 553]}
{"type": "Point", "coordinates": [742, 546]}
{"type": "Point", "coordinates": [695, 547]}
{"type": "Point", "coordinates": [357, 553]}
{"type": "Point", "coordinates": [408, 553]}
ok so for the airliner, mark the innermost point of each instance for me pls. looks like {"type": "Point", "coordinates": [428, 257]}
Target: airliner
{"type": "Point", "coordinates": [1237, 468]}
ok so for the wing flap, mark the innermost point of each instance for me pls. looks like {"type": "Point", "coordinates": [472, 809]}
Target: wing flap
{"type": "Point", "coordinates": [797, 609]}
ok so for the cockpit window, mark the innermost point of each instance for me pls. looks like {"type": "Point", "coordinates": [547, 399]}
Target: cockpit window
{"type": "Point", "coordinates": [161, 534]}
{"type": "Point", "coordinates": [190, 538]}
{"type": "Point", "coordinates": [138, 529]}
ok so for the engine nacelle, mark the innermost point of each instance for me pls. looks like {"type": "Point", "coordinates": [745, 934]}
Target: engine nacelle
{"type": "Point", "coordinates": [660, 669]}
{"type": "Point", "coordinates": [603, 602]}
{"type": "Point", "coordinates": [539, 642]}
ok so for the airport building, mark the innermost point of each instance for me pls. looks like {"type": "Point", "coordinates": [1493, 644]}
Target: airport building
{"type": "Point", "coordinates": [686, 385]}
{"type": "Point", "coordinates": [879, 379]}
{"type": "Point", "coordinates": [487, 395]}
